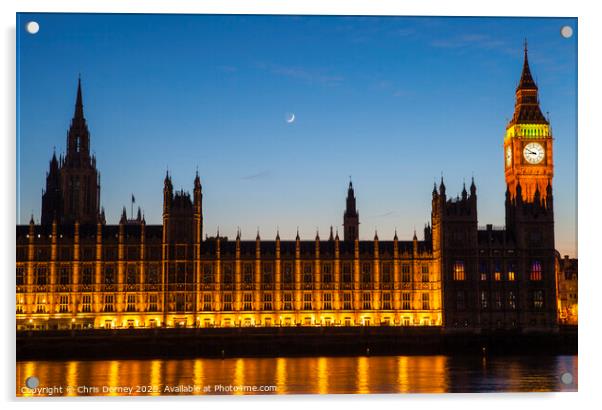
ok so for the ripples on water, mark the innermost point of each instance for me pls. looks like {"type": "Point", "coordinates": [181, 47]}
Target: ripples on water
{"type": "Point", "coordinates": [388, 374]}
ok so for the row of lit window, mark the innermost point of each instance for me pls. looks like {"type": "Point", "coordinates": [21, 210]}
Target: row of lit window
{"type": "Point", "coordinates": [245, 322]}
{"type": "Point", "coordinates": [181, 275]}
{"type": "Point", "coordinates": [248, 267]}
{"type": "Point", "coordinates": [497, 300]}
{"type": "Point", "coordinates": [88, 253]}
{"type": "Point", "coordinates": [109, 253]}
{"type": "Point", "coordinates": [459, 272]}
{"type": "Point", "coordinates": [184, 302]}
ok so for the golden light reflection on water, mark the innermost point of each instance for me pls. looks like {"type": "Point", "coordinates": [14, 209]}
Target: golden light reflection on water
{"type": "Point", "coordinates": [156, 367]}
{"type": "Point", "coordinates": [72, 377]}
{"type": "Point", "coordinates": [29, 368]}
{"type": "Point", "coordinates": [281, 375]}
{"type": "Point", "coordinates": [322, 375]}
{"type": "Point", "coordinates": [388, 374]}
{"type": "Point", "coordinates": [198, 373]}
{"type": "Point", "coordinates": [402, 374]}
{"type": "Point", "coordinates": [114, 379]}
{"type": "Point", "coordinates": [239, 376]}
{"type": "Point", "coordinates": [363, 385]}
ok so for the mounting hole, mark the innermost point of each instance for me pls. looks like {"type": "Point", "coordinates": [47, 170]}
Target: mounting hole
{"type": "Point", "coordinates": [32, 27]}
{"type": "Point", "coordinates": [566, 31]}
{"type": "Point", "coordinates": [566, 378]}
{"type": "Point", "coordinates": [32, 382]}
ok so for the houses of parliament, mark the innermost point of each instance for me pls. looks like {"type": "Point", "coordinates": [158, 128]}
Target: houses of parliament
{"type": "Point", "coordinates": [75, 271]}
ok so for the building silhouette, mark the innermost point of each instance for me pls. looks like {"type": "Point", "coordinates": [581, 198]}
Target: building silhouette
{"type": "Point", "coordinates": [72, 182]}
{"type": "Point", "coordinates": [76, 271]}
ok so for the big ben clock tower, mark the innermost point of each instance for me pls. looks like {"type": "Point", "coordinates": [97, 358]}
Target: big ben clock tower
{"type": "Point", "coordinates": [528, 159]}
{"type": "Point", "coordinates": [529, 169]}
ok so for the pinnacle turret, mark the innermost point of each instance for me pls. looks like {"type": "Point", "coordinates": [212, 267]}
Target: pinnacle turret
{"type": "Point", "coordinates": [442, 187]}
{"type": "Point", "coordinates": [526, 79]}
{"type": "Point", "coordinates": [526, 108]}
{"type": "Point", "coordinates": [78, 137]}
{"type": "Point", "coordinates": [351, 216]}
{"type": "Point", "coordinates": [79, 104]}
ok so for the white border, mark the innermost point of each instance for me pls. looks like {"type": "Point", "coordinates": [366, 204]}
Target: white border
{"type": "Point", "coordinates": [590, 229]}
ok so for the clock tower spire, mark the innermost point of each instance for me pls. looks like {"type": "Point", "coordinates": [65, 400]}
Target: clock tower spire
{"type": "Point", "coordinates": [528, 157]}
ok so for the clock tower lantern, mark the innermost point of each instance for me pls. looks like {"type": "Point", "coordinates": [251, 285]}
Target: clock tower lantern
{"type": "Point", "coordinates": [528, 160]}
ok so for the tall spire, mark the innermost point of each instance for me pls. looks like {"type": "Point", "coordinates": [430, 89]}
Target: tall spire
{"type": "Point", "coordinates": [351, 216]}
{"type": "Point", "coordinates": [526, 79]}
{"type": "Point", "coordinates": [81, 201]}
{"type": "Point", "coordinates": [526, 107]}
{"type": "Point", "coordinates": [197, 180]}
{"type": "Point", "coordinates": [79, 105]}
{"type": "Point", "coordinates": [78, 137]}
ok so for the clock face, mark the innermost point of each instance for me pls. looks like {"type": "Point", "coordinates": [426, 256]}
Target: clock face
{"type": "Point", "coordinates": [508, 156]}
{"type": "Point", "coordinates": [533, 153]}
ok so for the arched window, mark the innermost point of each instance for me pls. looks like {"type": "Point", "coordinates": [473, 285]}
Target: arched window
{"type": "Point", "coordinates": [41, 277]}
{"type": "Point", "coordinates": [458, 270]}
{"type": "Point", "coordinates": [536, 270]}
{"type": "Point", "coordinates": [366, 272]}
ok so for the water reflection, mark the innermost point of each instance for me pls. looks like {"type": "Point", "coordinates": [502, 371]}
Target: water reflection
{"type": "Point", "coordinates": [389, 374]}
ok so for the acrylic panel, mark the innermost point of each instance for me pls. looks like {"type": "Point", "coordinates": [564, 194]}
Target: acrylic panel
{"type": "Point", "coordinates": [189, 190]}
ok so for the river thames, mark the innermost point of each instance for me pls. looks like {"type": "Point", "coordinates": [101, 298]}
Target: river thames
{"type": "Point", "coordinates": [315, 375]}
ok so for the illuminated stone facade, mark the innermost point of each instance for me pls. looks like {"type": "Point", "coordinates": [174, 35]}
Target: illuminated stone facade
{"type": "Point", "coordinates": [74, 272]}
{"type": "Point", "coordinates": [568, 295]}
{"type": "Point", "coordinates": [131, 275]}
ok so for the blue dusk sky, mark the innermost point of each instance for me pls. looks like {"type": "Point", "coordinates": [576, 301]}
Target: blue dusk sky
{"type": "Point", "coordinates": [395, 102]}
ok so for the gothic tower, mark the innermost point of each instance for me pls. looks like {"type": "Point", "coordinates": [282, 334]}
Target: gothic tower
{"type": "Point", "coordinates": [455, 244]}
{"type": "Point", "coordinates": [529, 170]}
{"type": "Point", "coordinates": [182, 215]}
{"type": "Point", "coordinates": [351, 218]}
{"type": "Point", "coordinates": [198, 210]}
{"type": "Point", "coordinates": [528, 157]}
{"type": "Point", "coordinates": [73, 184]}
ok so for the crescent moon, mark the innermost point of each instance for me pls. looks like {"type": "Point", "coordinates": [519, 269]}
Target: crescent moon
{"type": "Point", "coordinates": [290, 118]}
